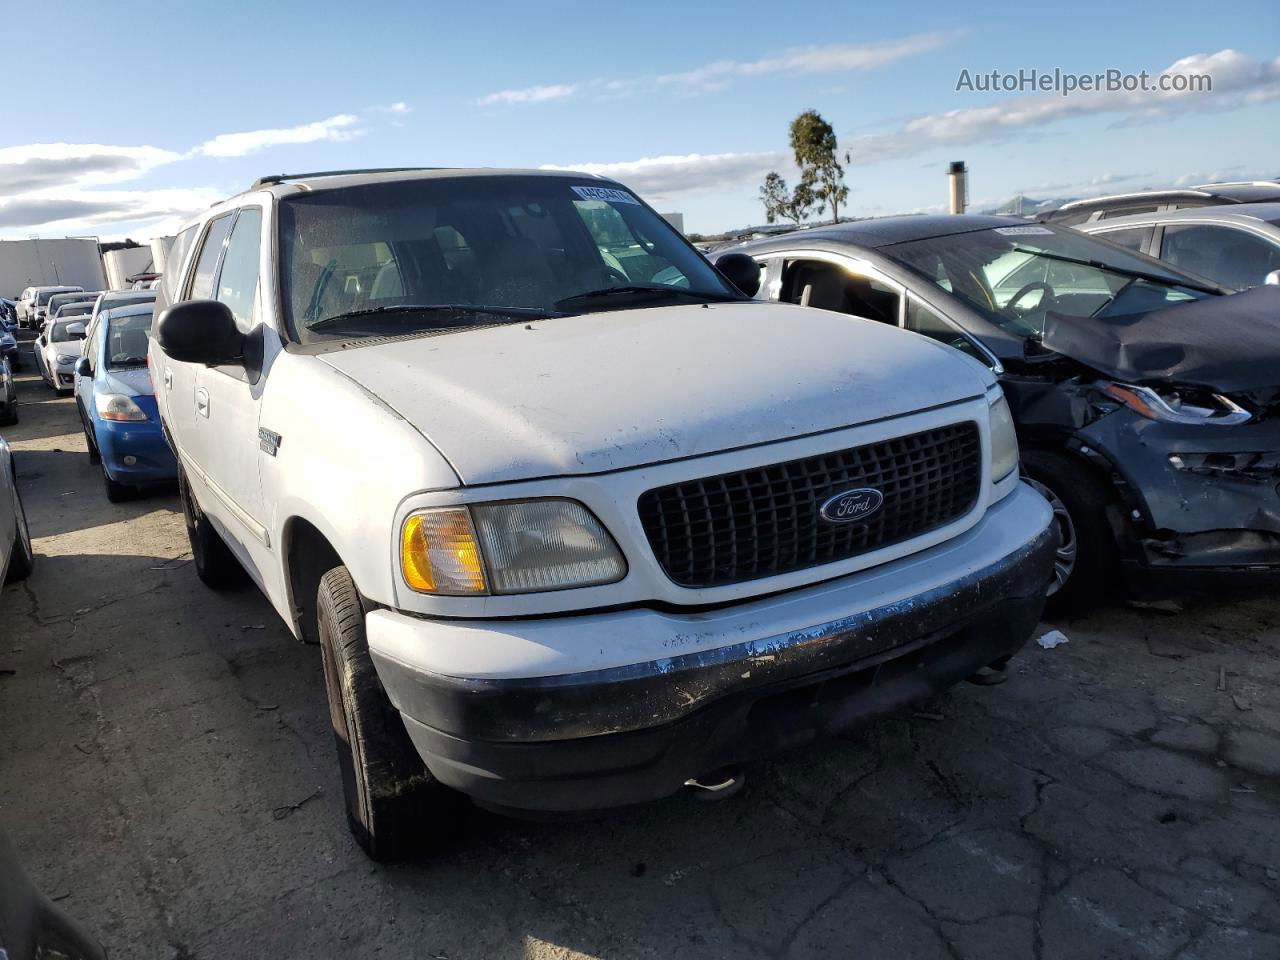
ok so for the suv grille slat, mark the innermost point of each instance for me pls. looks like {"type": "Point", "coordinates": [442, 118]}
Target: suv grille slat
{"type": "Point", "coordinates": [765, 521]}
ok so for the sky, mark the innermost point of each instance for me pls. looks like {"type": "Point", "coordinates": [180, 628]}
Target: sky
{"type": "Point", "coordinates": [159, 109]}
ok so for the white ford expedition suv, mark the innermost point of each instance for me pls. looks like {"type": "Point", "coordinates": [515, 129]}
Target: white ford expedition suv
{"type": "Point", "coordinates": [574, 520]}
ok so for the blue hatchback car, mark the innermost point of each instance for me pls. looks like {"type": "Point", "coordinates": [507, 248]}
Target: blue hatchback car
{"type": "Point", "coordinates": [118, 406]}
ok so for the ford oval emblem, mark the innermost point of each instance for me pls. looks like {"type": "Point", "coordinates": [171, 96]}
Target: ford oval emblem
{"type": "Point", "coordinates": [852, 505]}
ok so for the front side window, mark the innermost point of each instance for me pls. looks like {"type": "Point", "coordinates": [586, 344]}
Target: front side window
{"type": "Point", "coordinates": [451, 252]}
{"type": "Point", "coordinates": [1014, 276]}
{"type": "Point", "coordinates": [61, 332]}
{"type": "Point", "coordinates": [202, 282]}
{"type": "Point", "coordinates": [127, 341]}
{"type": "Point", "coordinates": [238, 279]}
{"type": "Point", "coordinates": [172, 278]}
{"type": "Point", "coordinates": [1231, 257]}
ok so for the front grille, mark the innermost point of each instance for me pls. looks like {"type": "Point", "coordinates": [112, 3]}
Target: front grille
{"type": "Point", "coordinates": [766, 521]}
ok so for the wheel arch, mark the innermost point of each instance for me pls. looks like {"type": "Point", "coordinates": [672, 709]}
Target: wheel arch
{"type": "Point", "coordinates": [308, 553]}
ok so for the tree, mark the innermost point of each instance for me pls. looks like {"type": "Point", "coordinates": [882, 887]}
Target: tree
{"type": "Point", "coordinates": [778, 201]}
{"type": "Point", "coordinates": [814, 144]}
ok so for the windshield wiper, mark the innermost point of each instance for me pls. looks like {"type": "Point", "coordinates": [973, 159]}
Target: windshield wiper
{"type": "Point", "coordinates": [1122, 271]}
{"type": "Point", "coordinates": [633, 289]}
{"type": "Point", "coordinates": [535, 313]}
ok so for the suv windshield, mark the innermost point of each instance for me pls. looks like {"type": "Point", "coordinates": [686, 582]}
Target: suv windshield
{"type": "Point", "coordinates": [127, 338]}
{"type": "Point", "coordinates": [450, 252]}
{"type": "Point", "coordinates": [1015, 275]}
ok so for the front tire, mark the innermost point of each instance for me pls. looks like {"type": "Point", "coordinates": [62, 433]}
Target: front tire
{"type": "Point", "coordinates": [116, 492]}
{"type": "Point", "coordinates": [395, 807]}
{"type": "Point", "coordinates": [216, 566]}
{"type": "Point", "coordinates": [1085, 564]}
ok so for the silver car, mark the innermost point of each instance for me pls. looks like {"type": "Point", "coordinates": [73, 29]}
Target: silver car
{"type": "Point", "coordinates": [16, 558]}
{"type": "Point", "coordinates": [8, 394]}
{"type": "Point", "coordinates": [1237, 246]}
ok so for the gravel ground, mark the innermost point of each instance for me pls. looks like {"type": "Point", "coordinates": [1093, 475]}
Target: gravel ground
{"type": "Point", "coordinates": [167, 773]}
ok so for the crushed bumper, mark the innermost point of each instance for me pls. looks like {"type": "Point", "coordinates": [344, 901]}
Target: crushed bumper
{"type": "Point", "coordinates": [1200, 498]}
{"type": "Point", "coordinates": [636, 732]}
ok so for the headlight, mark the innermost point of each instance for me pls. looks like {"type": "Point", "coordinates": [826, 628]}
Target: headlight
{"type": "Point", "coordinates": [116, 406]}
{"type": "Point", "coordinates": [65, 358]}
{"type": "Point", "coordinates": [1173, 405]}
{"type": "Point", "coordinates": [1004, 439]}
{"type": "Point", "coordinates": [519, 546]}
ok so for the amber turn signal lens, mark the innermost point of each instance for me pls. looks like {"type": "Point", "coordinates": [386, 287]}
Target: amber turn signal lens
{"type": "Point", "coordinates": [439, 553]}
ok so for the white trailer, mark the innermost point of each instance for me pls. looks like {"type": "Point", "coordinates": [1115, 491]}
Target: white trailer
{"type": "Point", "coordinates": [122, 264]}
{"type": "Point", "coordinates": [30, 263]}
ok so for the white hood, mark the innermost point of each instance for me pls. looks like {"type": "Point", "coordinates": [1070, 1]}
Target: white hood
{"type": "Point", "coordinates": [608, 391]}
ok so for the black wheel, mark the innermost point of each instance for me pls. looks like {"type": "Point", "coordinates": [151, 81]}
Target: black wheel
{"type": "Point", "coordinates": [1085, 565]}
{"type": "Point", "coordinates": [216, 566]}
{"type": "Point", "coordinates": [11, 417]}
{"type": "Point", "coordinates": [116, 492]}
{"type": "Point", "coordinates": [23, 559]}
{"type": "Point", "coordinates": [395, 808]}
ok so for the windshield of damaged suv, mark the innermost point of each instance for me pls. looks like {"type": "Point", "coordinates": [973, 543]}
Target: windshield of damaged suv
{"type": "Point", "coordinates": [1015, 275]}
{"type": "Point", "coordinates": [440, 253]}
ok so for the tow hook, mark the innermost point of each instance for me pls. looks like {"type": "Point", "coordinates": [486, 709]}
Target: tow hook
{"type": "Point", "coordinates": [718, 784]}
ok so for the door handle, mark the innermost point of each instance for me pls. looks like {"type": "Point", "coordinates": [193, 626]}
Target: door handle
{"type": "Point", "coordinates": [202, 402]}
{"type": "Point", "coordinates": [168, 379]}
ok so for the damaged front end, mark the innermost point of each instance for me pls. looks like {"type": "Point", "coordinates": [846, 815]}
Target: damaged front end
{"type": "Point", "coordinates": [1180, 408]}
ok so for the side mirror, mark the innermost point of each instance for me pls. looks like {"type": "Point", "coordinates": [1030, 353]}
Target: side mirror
{"type": "Point", "coordinates": [200, 331]}
{"type": "Point", "coordinates": [82, 367]}
{"type": "Point", "coordinates": [742, 271]}
{"type": "Point", "coordinates": [76, 330]}
{"type": "Point", "coordinates": [1273, 278]}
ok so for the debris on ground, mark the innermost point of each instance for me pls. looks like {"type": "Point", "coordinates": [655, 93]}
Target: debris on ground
{"type": "Point", "coordinates": [925, 715]}
{"type": "Point", "coordinates": [1160, 606]}
{"type": "Point", "coordinates": [1241, 703]}
{"type": "Point", "coordinates": [1222, 679]}
{"type": "Point", "coordinates": [279, 813]}
{"type": "Point", "coordinates": [1054, 638]}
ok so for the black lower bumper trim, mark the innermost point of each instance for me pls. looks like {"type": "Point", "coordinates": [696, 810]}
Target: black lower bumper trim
{"type": "Point", "coordinates": [826, 688]}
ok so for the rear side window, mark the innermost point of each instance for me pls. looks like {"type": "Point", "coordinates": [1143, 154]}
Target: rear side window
{"type": "Point", "coordinates": [172, 278]}
{"type": "Point", "coordinates": [238, 279]}
{"type": "Point", "coordinates": [207, 264]}
{"type": "Point", "coordinates": [1129, 211]}
{"type": "Point", "coordinates": [1131, 238]}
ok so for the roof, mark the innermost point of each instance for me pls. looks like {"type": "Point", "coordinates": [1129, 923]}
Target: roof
{"type": "Point", "coordinates": [1253, 191]}
{"type": "Point", "coordinates": [1137, 195]}
{"type": "Point", "coordinates": [1239, 212]}
{"type": "Point", "coordinates": [129, 310]}
{"type": "Point", "coordinates": [883, 231]}
{"type": "Point", "coordinates": [338, 179]}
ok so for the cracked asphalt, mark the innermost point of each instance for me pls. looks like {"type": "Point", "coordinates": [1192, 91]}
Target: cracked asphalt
{"type": "Point", "coordinates": [167, 774]}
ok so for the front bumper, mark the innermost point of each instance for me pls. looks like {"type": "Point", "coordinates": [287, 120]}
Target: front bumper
{"type": "Point", "coordinates": [1198, 498]}
{"type": "Point", "coordinates": [144, 441]}
{"type": "Point", "coordinates": [754, 680]}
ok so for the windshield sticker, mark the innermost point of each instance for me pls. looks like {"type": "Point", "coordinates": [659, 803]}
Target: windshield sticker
{"type": "Point", "coordinates": [609, 195]}
{"type": "Point", "coordinates": [1023, 231]}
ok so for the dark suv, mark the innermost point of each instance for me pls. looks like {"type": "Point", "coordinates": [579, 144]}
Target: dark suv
{"type": "Point", "coordinates": [1159, 201]}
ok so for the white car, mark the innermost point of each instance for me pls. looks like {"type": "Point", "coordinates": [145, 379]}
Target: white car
{"type": "Point", "coordinates": [16, 558]}
{"type": "Point", "coordinates": [1237, 246]}
{"type": "Point", "coordinates": [571, 534]}
{"type": "Point", "coordinates": [57, 349]}
{"type": "Point", "coordinates": [35, 301]}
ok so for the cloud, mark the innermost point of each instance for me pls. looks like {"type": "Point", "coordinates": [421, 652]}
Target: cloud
{"type": "Point", "coordinates": [661, 177]}
{"type": "Point", "coordinates": [38, 166]}
{"type": "Point", "coordinates": [162, 209]}
{"type": "Point", "coordinates": [535, 94]}
{"type": "Point", "coordinates": [334, 129]}
{"type": "Point", "coordinates": [832, 58]}
{"type": "Point", "coordinates": [398, 107]}
{"type": "Point", "coordinates": [1238, 80]}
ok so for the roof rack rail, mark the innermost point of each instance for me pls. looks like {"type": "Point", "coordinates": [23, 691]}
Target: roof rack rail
{"type": "Point", "coordinates": [281, 177]}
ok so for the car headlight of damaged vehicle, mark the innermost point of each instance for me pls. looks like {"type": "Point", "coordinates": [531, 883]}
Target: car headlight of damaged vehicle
{"type": "Point", "coordinates": [1004, 439]}
{"type": "Point", "coordinates": [116, 406]}
{"type": "Point", "coordinates": [517, 546]}
{"type": "Point", "coordinates": [1173, 405]}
